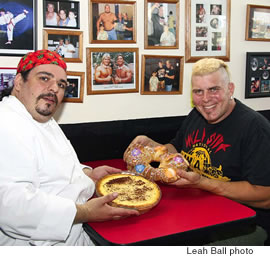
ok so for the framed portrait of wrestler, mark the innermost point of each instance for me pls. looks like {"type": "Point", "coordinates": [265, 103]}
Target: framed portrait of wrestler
{"type": "Point", "coordinates": [18, 30]}
{"type": "Point", "coordinates": [61, 14]}
{"type": "Point", "coordinates": [161, 25]}
{"type": "Point", "coordinates": [112, 70]}
{"type": "Point", "coordinates": [163, 75]}
{"type": "Point", "coordinates": [66, 43]}
{"type": "Point", "coordinates": [112, 21]}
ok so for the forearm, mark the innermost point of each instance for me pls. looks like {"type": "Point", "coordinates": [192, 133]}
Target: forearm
{"type": "Point", "coordinates": [241, 191]}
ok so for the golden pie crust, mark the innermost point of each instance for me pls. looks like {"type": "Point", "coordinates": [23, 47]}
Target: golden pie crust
{"type": "Point", "coordinates": [134, 191]}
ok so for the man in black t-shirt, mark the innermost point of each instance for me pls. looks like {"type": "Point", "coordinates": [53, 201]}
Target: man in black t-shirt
{"type": "Point", "coordinates": [128, 27]}
{"type": "Point", "coordinates": [169, 76]}
{"type": "Point", "coordinates": [225, 142]}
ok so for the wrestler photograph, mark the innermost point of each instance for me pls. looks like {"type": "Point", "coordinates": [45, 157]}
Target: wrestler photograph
{"type": "Point", "coordinates": [17, 29]}
{"type": "Point", "coordinates": [162, 74]}
{"type": "Point", "coordinates": [112, 22]}
{"type": "Point", "coordinates": [112, 70]}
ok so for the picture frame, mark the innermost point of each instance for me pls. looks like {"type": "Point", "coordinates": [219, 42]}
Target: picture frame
{"type": "Point", "coordinates": [207, 29]}
{"type": "Point", "coordinates": [75, 89]}
{"type": "Point", "coordinates": [257, 23]}
{"type": "Point", "coordinates": [7, 76]}
{"type": "Point", "coordinates": [162, 74]}
{"type": "Point", "coordinates": [112, 70]}
{"type": "Point", "coordinates": [18, 25]}
{"type": "Point", "coordinates": [61, 14]}
{"type": "Point", "coordinates": [68, 44]}
{"type": "Point", "coordinates": [161, 24]}
{"type": "Point", "coordinates": [257, 74]}
{"type": "Point", "coordinates": [122, 25]}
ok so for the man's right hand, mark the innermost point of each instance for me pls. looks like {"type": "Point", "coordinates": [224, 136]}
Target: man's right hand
{"type": "Point", "coordinates": [98, 209]}
{"type": "Point", "coordinates": [145, 141]}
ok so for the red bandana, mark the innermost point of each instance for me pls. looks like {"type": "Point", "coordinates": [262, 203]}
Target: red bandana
{"type": "Point", "coordinates": [40, 57]}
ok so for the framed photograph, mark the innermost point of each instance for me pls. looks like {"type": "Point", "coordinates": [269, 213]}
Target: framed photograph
{"type": "Point", "coordinates": [161, 25]}
{"type": "Point", "coordinates": [61, 14]}
{"type": "Point", "coordinates": [207, 29]}
{"type": "Point", "coordinates": [18, 29]}
{"type": "Point", "coordinates": [162, 74]}
{"type": "Point", "coordinates": [7, 76]}
{"type": "Point", "coordinates": [112, 21]}
{"type": "Point", "coordinates": [112, 70]}
{"type": "Point", "coordinates": [258, 23]}
{"type": "Point", "coordinates": [257, 75]}
{"type": "Point", "coordinates": [68, 44]}
{"type": "Point", "coordinates": [75, 87]}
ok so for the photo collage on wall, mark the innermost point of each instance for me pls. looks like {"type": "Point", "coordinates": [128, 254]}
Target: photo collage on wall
{"type": "Point", "coordinates": [209, 27]}
{"type": "Point", "coordinates": [259, 75]}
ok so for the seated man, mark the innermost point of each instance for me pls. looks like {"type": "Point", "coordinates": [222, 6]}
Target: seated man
{"type": "Point", "coordinates": [225, 142]}
{"type": "Point", "coordinates": [44, 190]}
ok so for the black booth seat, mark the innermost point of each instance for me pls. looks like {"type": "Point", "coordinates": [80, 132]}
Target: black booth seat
{"type": "Point", "coordinates": [108, 140]}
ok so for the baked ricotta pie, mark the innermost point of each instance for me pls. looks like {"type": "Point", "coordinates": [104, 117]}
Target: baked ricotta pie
{"type": "Point", "coordinates": [134, 191]}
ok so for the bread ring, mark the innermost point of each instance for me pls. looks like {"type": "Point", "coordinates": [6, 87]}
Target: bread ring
{"type": "Point", "coordinates": [139, 159]}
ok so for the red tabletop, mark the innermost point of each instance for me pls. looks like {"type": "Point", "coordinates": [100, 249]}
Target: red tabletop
{"type": "Point", "coordinates": [179, 210]}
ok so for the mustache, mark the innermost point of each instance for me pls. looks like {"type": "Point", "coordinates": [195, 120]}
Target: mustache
{"type": "Point", "coordinates": [45, 95]}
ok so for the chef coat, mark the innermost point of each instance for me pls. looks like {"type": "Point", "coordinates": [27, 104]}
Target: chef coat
{"type": "Point", "coordinates": [41, 179]}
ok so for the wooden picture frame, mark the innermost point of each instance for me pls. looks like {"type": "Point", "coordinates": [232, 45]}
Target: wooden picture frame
{"type": "Point", "coordinates": [7, 76]}
{"type": "Point", "coordinates": [257, 75]}
{"type": "Point", "coordinates": [112, 70]}
{"type": "Point", "coordinates": [258, 23]}
{"type": "Point", "coordinates": [75, 89]}
{"type": "Point", "coordinates": [18, 27]}
{"type": "Point", "coordinates": [207, 29]}
{"type": "Point", "coordinates": [121, 29]}
{"type": "Point", "coordinates": [162, 74]}
{"type": "Point", "coordinates": [61, 14]}
{"type": "Point", "coordinates": [161, 24]}
{"type": "Point", "coordinates": [69, 44]}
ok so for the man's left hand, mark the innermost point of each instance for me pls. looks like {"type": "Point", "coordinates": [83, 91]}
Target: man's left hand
{"type": "Point", "coordinates": [101, 171]}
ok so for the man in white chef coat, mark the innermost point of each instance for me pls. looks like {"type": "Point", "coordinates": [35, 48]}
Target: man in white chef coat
{"type": "Point", "coordinates": [44, 190]}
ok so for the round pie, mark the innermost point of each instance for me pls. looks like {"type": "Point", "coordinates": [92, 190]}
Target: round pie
{"type": "Point", "coordinates": [134, 191]}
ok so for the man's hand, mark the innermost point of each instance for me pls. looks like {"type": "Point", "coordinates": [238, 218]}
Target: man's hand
{"type": "Point", "coordinates": [100, 172]}
{"type": "Point", "coordinates": [97, 209]}
{"type": "Point", "coordinates": [188, 179]}
{"type": "Point", "coordinates": [145, 141]}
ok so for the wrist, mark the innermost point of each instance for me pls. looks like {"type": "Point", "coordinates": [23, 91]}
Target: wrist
{"type": "Point", "coordinates": [81, 214]}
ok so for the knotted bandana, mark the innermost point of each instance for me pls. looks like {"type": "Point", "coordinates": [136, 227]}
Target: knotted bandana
{"type": "Point", "coordinates": [40, 57]}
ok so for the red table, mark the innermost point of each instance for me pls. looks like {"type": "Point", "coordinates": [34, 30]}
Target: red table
{"type": "Point", "coordinates": [183, 217]}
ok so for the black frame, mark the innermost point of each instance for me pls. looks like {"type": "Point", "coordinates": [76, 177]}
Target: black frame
{"type": "Point", "coordinates": [25, 30]}
{"type": "Point", "coordinates": [257, 75]}
{"type": "Point", "coordinates": [59, 5]}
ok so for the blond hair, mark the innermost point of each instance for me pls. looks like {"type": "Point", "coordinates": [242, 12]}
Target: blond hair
{"type": "Point", "coordinates": [207, 66]}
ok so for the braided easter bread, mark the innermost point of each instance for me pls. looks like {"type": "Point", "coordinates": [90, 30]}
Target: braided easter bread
{"type": "Point", "coordinates": [139, 159]}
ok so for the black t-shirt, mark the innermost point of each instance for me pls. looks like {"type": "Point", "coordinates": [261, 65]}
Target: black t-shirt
{"type": "Point", "coordinates": [237, 148]}
{"type": "Point", "coordinates": [128, 24]}
{"type": "Point", "coordinates": [169, 72]}
{"type": "Point", "coordinates": [160, 73]}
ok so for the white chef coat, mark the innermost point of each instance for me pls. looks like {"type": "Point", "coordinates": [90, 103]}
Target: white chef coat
{"type": "Point", "coordinates": [40, 181]}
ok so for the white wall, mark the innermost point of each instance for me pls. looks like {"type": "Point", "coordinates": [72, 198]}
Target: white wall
{"type": "Point", "coordinates": [109, 107]}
